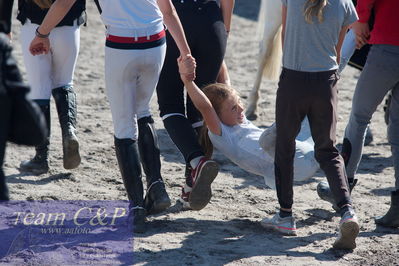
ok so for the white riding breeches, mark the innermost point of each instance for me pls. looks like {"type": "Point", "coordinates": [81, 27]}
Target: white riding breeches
{"type": "Point", "coordinates": [55, 69]}
{"type": "Point", "coordinates": [131, 77]}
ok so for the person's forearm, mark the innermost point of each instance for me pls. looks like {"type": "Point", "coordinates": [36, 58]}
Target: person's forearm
{"type": "Point", "coordinates": [227, 11]}
{"type": "Point", "coordinates": [56, 13]}
{"type": "Point", "coordinates": [171, 20]}
{"type": "Point", "coordinates": [201, 102]}
{"type": "Point", "coordinates": [341, 38]}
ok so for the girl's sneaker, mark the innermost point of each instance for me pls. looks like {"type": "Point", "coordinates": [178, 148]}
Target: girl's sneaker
{"type": "Point", "coordinates": [202, 177]}
{"type": "Point", "coordinates": [348, 231]}
{"type": "Point", "coordinates": [285, 225]}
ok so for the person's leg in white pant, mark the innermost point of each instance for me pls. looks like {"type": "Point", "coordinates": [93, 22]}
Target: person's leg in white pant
{"type": "Point", "coordinates": [38, 68]}
{"type": "Point", "coordinates": [131, 78]}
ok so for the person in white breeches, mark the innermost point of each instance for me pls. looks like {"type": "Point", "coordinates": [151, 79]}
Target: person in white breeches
{"type": "Point", "coordinates": [134, 54]}
{"type": "Point", "coordinates": [131, 77]}
{"type": "Point", "coordinates": [52, 74]}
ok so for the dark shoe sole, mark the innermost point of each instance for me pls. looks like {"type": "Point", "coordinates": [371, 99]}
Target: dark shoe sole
{"type": "Point", "coordinates": [347, 240]}
{"type": "Point", "coordinates": [71, 153]}
{"type": "Point", "coordinates": [202, 192]}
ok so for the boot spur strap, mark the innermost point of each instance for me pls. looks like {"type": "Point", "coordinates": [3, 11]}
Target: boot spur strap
{"type": "Point", "coordinates": [153, 183]}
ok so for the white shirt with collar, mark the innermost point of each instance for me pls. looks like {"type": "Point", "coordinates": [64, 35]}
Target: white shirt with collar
{"type": "Point", "coordinates": [131, 18]}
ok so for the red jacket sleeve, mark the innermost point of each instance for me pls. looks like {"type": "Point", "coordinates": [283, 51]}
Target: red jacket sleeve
{"type": "Point", "coordinates": [363, 9]}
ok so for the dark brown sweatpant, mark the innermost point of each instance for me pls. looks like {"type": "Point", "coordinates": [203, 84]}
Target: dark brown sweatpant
{"type": "Point", "coordinates": [312, 94]}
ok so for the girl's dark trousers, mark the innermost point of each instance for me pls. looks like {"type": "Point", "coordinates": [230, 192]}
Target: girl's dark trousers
{"type": "Point", "coordinates": [312, 94]}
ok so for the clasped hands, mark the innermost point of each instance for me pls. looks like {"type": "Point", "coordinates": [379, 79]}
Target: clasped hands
{"type": "Point", "coordinates": [362, 32]}
{"type": "Point", "coordinates": [187, 66]}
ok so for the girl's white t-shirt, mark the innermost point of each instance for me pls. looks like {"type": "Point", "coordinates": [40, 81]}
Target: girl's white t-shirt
{"type": "Point", "coordinates": [143, 17]}
{"type": "Point", "coordinates": [240, 143]}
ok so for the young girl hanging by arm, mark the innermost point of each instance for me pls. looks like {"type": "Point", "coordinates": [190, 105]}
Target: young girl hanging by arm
{"type": "Point", "coordinates": [227, 129]}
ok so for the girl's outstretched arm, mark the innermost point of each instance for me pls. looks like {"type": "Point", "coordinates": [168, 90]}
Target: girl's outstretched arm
{"type": "Point", "coordinates": [201, 102]}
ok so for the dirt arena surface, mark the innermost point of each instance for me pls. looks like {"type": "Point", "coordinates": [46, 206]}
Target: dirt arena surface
{"type": "Point", "coordinates": [227, 231]}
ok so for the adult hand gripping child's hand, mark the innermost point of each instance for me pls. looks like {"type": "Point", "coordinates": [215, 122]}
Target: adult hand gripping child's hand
{"type": "Point", "coordinates": [187, 67]}
{"type": "Point", "coordinates": [362, 32]}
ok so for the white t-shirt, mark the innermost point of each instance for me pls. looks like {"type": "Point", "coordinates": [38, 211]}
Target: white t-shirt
{"type": "Point", "coordinates": [142, 17]}
{"type": "Point", "coordinates": [240, 144]}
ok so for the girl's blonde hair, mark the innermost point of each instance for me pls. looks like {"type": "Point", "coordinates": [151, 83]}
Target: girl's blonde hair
{"type": "Point", "coordinates": [314, 8]}
{"type": "Point", "coordinates": [217, 93]}
{"type": "Point", "coordinates": [43, 4]}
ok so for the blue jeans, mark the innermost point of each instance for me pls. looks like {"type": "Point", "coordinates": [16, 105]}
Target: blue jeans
{"type": "Point", "coordinates": [380, 74]}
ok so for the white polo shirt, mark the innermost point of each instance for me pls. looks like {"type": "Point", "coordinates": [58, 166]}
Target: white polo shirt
{"type": "Point", "coordinates": [131, 18]}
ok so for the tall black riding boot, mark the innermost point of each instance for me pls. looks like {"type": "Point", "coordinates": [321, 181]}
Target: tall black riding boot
{"type": "Point", "coordinates": [156, 199]}
{"type": "Point", "coordinates": [129, 165]}
{"type": "Point", "coordinates": [65, 100]}
{"type": "Point", "coordinates": [39, 163]}
{"type": "Point", "coordinates": [391, 218]}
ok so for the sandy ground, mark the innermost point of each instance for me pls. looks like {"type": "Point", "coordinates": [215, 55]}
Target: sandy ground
{"type": "Point", "coordinates": [227, 231]}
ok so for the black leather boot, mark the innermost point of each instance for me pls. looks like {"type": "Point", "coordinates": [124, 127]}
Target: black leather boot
{"type": "Point", "coordinates": [129, 164]}
{"type": "Point", "coordinates": [39, 164]}
{"type": "Point", "coordinates": [65, 100]}
{"type": "Point", "coordinates": [391, 218]}
{"type": "Point", "coordinates": [156, 199]}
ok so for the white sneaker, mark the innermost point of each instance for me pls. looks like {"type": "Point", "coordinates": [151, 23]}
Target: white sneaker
{"type": "Point", "coordinates": [348, 231]}
{"type": "Point", "coordinates": [285, 225]}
